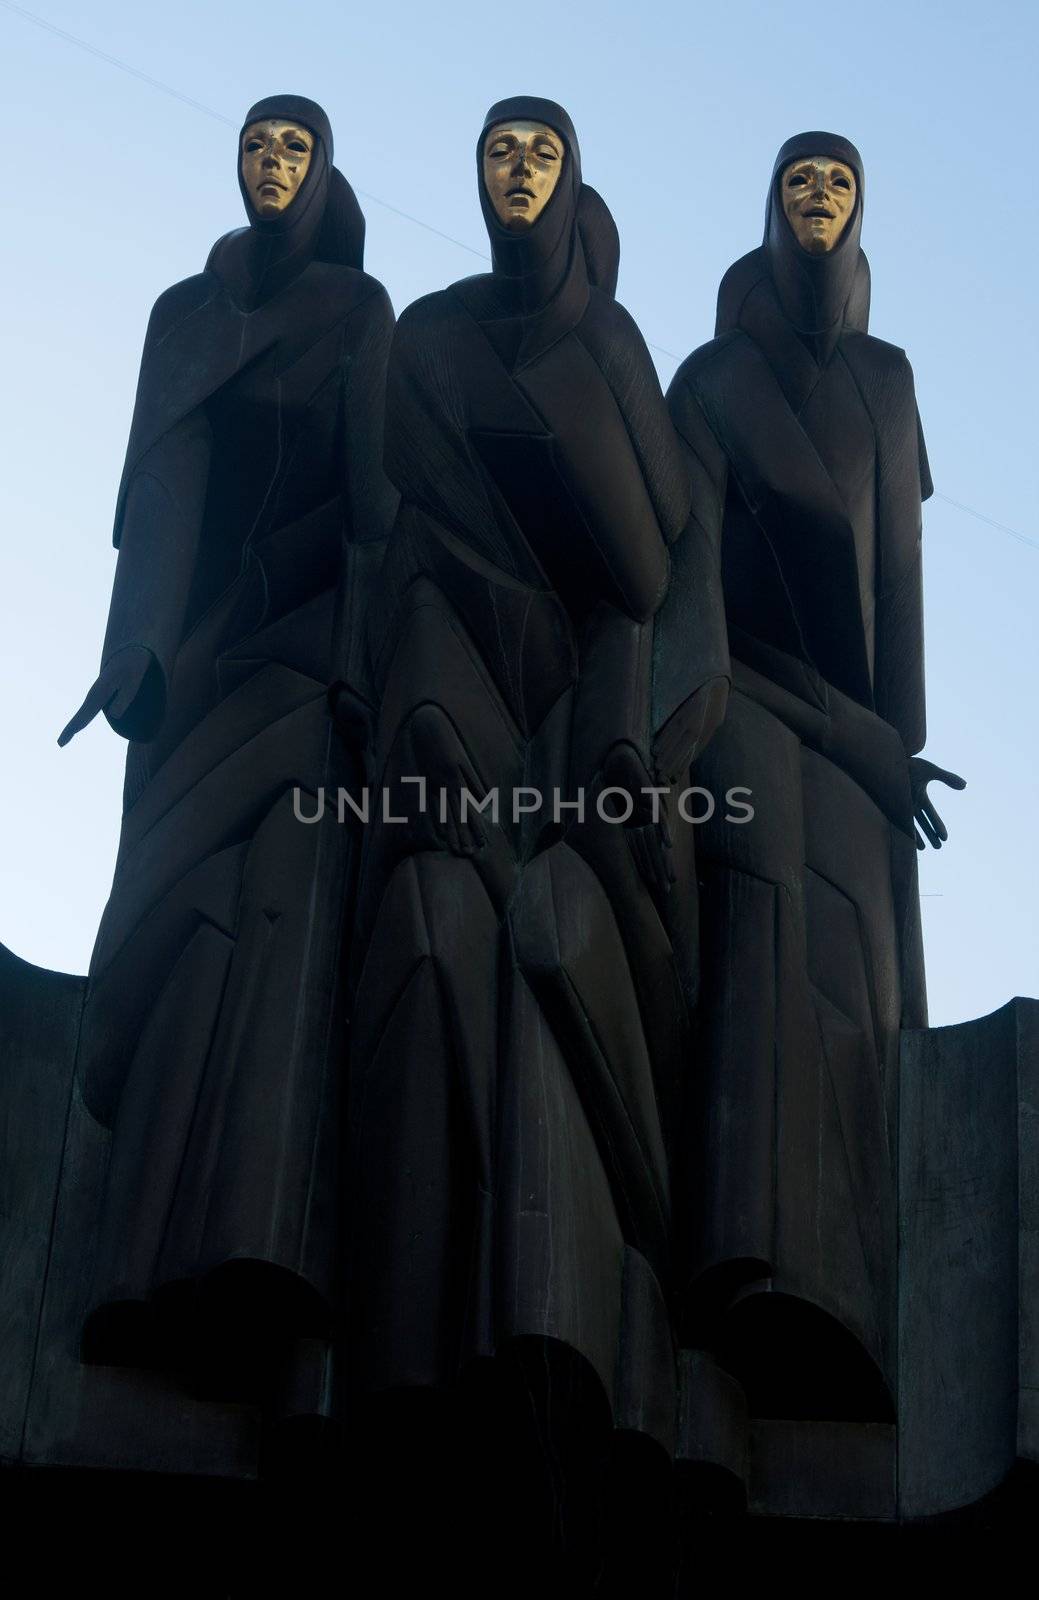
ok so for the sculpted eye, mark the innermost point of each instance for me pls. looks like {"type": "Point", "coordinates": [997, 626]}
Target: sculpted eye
{"type": "Point", "coordinates": [797, 181]}
{"type": "Point", "coordinates": [253, 145]}
{"type": "Point", "coordinates": [298, 145]}
{"type": "Point", "coordinates": [840, 181]}
{"type": "Point", "coordinates": [498, 150]}
{"type": "Point", "coordinates": [545, 152]}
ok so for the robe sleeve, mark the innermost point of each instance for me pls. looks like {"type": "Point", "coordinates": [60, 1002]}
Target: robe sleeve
{"type": "Point", "coordinates": [903, 481]}
{"type": "Point", "coordinates": [690, 647]}
{"type": "Point", "coordinates": [370, 498]}
{"type": "Point", "coordinates": [615, 455]}
{"type": "Point", "coordinates": [162, 508]}
{"type": "Point", "coordinates": [664, 679]}
{"type": "Point", "coordinates": [628, 368]}
{"type": "Point", "coordinates": [926, 481]}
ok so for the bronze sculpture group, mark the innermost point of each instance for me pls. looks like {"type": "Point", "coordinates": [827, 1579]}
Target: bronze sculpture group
{"type": "Point", "coordinates": [561, 1088]}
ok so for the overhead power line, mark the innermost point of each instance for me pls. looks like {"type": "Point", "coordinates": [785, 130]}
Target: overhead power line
{"type": "Point", "coordinates": [991, 521]}
{"type": "Point", "coordinates": [115, 61]}
{"type": "Point", "coordinates": [229, 122]}
{"type": "Point", "coordinates": [207, 111]}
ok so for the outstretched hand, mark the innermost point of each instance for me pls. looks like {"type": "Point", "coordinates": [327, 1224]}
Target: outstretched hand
{"type": "Point", "coordinates": [117, 687]}
{"type": "Point", "coordinates": [929, 826]}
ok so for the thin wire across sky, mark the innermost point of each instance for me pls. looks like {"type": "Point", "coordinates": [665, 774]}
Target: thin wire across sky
{"type": "Point", "coordinates": [230, 122]}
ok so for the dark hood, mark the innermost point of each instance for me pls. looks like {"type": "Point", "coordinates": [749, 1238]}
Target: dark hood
{"type": "Point", "coordinates": [323, 223]}
{"type": "Point", "coordinates": [204, 330]}
{"type": "Point", "coordinates": [819, 296]}
{"type": "Point", "coordinates": [532, 265]}
{"type": "Point", "coordinates": [542, 276]}
{"type": "Point", "coordinates": [814, 291]}
{"type": "Point", "coordinates": [600, 240]}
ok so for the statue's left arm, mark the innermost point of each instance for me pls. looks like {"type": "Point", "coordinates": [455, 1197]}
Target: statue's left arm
{"type": "Point", "coordinates": [903, 483]}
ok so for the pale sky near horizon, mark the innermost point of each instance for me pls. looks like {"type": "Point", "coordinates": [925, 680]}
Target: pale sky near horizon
{"type": "Point", "coordinates": [116, 189]}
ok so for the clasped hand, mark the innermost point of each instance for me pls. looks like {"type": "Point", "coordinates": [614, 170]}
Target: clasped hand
{"type": "Point", "coordinates": [647, 825]}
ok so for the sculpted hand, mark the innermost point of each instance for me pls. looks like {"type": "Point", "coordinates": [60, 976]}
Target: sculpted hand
{"type": "Point", "coordinates": [123, 679]}
{"type": "Point", "coordinates": [353, 715]}
{"type": "Point", "coordinates": [354, 719]}
{"type": "Point", "coordinates": [929, 825]}
{"type": "Point", "coordinates": [690, 729]}
{"type": "Point", "coordinates": [435, 752]}
{"type": "Point", "coordinates": [648, 829]}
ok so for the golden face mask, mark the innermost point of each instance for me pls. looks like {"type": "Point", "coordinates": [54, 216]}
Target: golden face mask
{"type": "Point", "coordinates": [275, 158]}
{"type": "Point", "coordinates": [818, 199]}
{"type": "Point", "coordinates": [521, 166]}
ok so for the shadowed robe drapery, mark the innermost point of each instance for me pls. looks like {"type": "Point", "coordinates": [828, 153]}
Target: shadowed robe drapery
{"type": "Point", "coordinates": [251, 517]}
{"type": "Point", "coordinates": [804, 431]}
{"type": "Point", "coordinates": [522, 1004]}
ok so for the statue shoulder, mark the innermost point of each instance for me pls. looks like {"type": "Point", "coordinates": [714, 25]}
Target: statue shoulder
{"type": "Point", "coordinates": [701, 367]}
{"type": "Point", "coordinates": [609, 331]}
{"type": "Point", "coordinates": [427, 312]}
{"type": "Point", "coordinates": [886, 360]}
{"type": "Point", "coordinates": [427, 327]}
{"type": "Point", "coordinates": [883, 375]}
{"type": "Point", "coordinates": [346, 290]}
{"type": "Point", "coordinates": [605, 311]}
{"type": "Point", "coordinates": [178, 302]}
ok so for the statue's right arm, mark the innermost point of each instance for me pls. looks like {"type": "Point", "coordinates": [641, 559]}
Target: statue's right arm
{"type": "Point", "coordinates": [692, 647]}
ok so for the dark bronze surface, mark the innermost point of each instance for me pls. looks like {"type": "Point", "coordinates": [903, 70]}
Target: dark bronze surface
{"type": "Point", "coordinates": [547, 1183]}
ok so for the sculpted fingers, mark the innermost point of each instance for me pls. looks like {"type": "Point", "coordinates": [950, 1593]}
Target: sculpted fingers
{"type": "Point", "coordinates": [96, 699]}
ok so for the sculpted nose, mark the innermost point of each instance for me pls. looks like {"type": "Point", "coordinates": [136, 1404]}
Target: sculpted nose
{"type": "Point", "coordinates": [521, 167]}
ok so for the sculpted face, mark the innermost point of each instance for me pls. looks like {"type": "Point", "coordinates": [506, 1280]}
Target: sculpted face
{"type": "Point", "coordinates": [818, 199]}
{"type": "Point", "coordinates": [275, 158]}
{"type": "Point", "coordinates": [521, 166]}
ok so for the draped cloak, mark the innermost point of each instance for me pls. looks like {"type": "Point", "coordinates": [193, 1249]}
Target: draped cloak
{"type": "Point", "coordinates": [805, 447]}
{"type": "Point", "coordinates": [521, 1008]}
{"type": "Point", "coordinates": [251, 515]}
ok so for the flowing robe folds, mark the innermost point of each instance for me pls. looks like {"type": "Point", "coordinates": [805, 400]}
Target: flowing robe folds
{"type": "Point", "coordinates": [809, 446]}
{"type": "Point", "coordinates": [521, 1010]}
{"type": "Point", "coordinates": [251, 518]}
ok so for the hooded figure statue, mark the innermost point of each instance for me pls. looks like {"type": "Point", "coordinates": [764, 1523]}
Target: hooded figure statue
{"type": "Point", "coordinates": [521, 1010]}
{"type": "Point", "coordinates": [250, 519]}
{"type": "Point", "coordinates": [804, 434]}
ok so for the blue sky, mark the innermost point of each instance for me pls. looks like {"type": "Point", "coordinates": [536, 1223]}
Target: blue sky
{"type": "Point", "coordinates": [115, 189]}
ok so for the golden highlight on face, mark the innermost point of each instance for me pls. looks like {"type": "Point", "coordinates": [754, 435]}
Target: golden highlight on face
{"type": "Point", "coordinates": [275, 158]}
{"type": "Point", "coordinates": [521, 166]}
{"type": "Point", "coordinates": [818, 199]}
